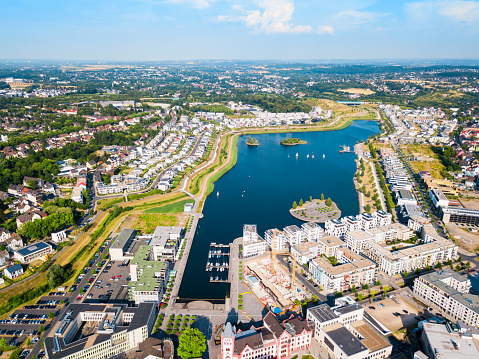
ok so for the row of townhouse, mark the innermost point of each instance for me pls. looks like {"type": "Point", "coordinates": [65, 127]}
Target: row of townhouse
{"type": "Point", "coordinates": [450, 292]}
{"type": "Point", "coordinates": [339, 227]}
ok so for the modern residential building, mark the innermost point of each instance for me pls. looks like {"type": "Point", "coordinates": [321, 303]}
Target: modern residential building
{"type": "Point", "coordinates": [328, 246]}
{"type": "Point", "coordinates": [450, 292]}
{"type": "Point", "coordinates": [13, 272]}
{"type": "Point", "coordinates": [252, 243]}
{"type": "Point", "coordinates": [346, 333]}
{"type": "Point", "coordinates": [346, 270]}
{"type": "Point", "coordinates": [409, 257]}
{"type": "Point", "coordinates": [278, 238]}
{"type": "Point", "coordinates": [312, 231]}
{"type": "Point", "coordinates": [274, 339]}
{"type": "Point", "coordinates": [166, 242]}
{"type": "Point", "coordinates": [148, 277]}
{"type": "Point", "coordinates": [97, 331]}
{"type": "Point", "coordinates": [335, 227]}
{"type": "Point", "coordinates": [59, 237]}
{"type": "Point", "coordinates": [305, 252]}
{"type": "Point", "coordinates": [33, 252]}
{"type": "Point", "coordinates": [294, 235]}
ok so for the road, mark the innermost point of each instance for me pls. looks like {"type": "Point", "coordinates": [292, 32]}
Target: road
{"type": "Point", "coordinates": [301, 279]}
{"type": "Point", "coordinates": [72, 299]}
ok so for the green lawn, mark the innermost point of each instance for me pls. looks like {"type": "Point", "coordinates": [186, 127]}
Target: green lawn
{"type": "Point", "coordinates": [176, 207]}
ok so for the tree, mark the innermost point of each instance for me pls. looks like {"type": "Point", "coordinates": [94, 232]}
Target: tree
{"type": "Point", "coordinates": [368, 208]}
{"type": "Point", "coordinates": [360, 297]}
{"type": "Point", "coordinates": [315, 298]}
{"type": "Point", "coordinates": [310, 198]}
{"type": "Point", "coordinates": [406, 274]}
{"type": "Point", "coordinates": [458, 268]}
{"type": "Point", "coordinates": [103, 256]}
{"type": "Point", "coordinates": [329, 203]}
{"type": "Point", "coordinates": [295, 205]}
{"type": "Point", "coordinates": [385, 290]}
{"type": "Point", "coordinates": [439, 265]}
{"type": "Point", "coordinates": [3, 344]}
{"type": "Point", "coordinates": [373, 292]}
{"type": "Point", "coordinates": [468, 264]}
{"type": "Point", "coordinates": [51, 315]}
{"type": "Point", "coordinates": [353, 289]}
{"type": "Point", "coordinates": [301, 202]}
{"type": "Point", "coordinates": [378, 283]}
{"type": "Point", "coordinates": [29, 342]}
{"type": "Point", "coordinates": [32, 184]}
{"type": "Point", "coordinates": [192, 344]}
{"type": "Point", "coordinates": [366, 286]}
{"type": "Point", "coordinates": [56, 275]}
{"type": "Point", "coordinates": [41, 329]}
{"type": "Point", "coordinates": [459, 259]}
{"type": "Point", "coordinates": [322, 197]}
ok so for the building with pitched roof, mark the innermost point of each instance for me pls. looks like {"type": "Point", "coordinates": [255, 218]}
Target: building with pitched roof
{"type": "Point", "coordinates": [274, 339]}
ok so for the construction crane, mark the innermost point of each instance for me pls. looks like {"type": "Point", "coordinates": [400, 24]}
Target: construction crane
{"type": "Point", "coordinates": [273, 254]}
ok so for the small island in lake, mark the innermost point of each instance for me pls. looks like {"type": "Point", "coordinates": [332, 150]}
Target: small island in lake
{"type": "Point", "coordinates": [251, 141]}
{"type": "Point", "coordinates": [315, 210]}
{"type": "Point", "coordinates": [289, 141]}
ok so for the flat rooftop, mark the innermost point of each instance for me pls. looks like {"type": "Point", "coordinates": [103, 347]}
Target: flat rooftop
{"type": "Point", "coordinates": [343, 338]}
{"type": "Point", "coordinates": [441, 340]}
{"type": "Point", "coordinates": [123, 238]}
{"type": "Point", "coordinates": [372, 339]}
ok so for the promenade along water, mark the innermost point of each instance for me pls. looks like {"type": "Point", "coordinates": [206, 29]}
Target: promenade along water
{"type": "Point", "coordinates": [261, 188]}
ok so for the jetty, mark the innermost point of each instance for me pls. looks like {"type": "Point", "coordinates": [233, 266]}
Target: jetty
{"type": "Point", "coordinates": [218, 263]}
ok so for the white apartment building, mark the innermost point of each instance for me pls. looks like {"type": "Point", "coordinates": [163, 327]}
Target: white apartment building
{"type": "Point", "coordinates": [253, 244]}
{"type": "Point", "coordinates": [409, 258]}
{"type": "Point", "coordinates": [312, 231]}
{"type": "Point", "coordinates": [305, 252]}
{"type": "Point", "coordinates": [280, 239]}
{"type": "Point", "coordinates": [335, 227]}
{"type": "Point", "coordinates": [294, 235]}
{"type": "Point", "coordinates": [350, 270]}
{"type": "Point", "coordinates": [345, 331]}
{"type": "Point", "coordinates": [391, 232]}
{"type": "Point", "coordinates": [450, 292]}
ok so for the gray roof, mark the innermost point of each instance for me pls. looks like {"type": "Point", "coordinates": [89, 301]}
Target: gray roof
{"type": "Point", "coordinates": [323, 312]}
{"type": "Point", "coordinates": [32, 248]}
{"type": "Point", "coordinates": [348, 343]}
{"type": "Point", "coordinates": [123, 237]}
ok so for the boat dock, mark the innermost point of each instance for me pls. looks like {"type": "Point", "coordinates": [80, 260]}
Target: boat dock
{"type": "Point", "coordinates": [345, 149]}
{"type": "Point", "coordinates": [218, 263]}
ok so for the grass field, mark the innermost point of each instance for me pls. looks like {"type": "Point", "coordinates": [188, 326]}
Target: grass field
{"type": "Point", "coordinates": [176, 207]}
{"type": "Point", "coordinates": [103, 204]}
{"type": "Point", "coordinates": [430, 163]}
{"type": "Point", "coordinates": [358, 91]}
{"type": "Point", "coordinates": [146, 223]}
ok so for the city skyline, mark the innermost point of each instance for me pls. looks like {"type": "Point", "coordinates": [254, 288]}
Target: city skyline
{"type": "Point", "coordinates": [288, 30]}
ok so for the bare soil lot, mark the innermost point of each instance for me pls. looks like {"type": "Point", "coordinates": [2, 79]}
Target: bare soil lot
{"type": "Point", "coordinates": [359, 91]}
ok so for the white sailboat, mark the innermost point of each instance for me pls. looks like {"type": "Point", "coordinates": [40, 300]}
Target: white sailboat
{"type": "Point", "coordinates": [323, 156]}
{"type": "Point", "coordinates": [218, 194]}
{"type": "Point", "coordinates": [312, 156]}
{"type": "Point", "coordinates": [307, 156]}
{"type": "Point", "coordinates": [297, 155]}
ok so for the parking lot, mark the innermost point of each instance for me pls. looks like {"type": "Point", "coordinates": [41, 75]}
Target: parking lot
{"type": "Point", "coordinates": [384, 312]}
{"type": "Point", "coordinates": [110, 285]}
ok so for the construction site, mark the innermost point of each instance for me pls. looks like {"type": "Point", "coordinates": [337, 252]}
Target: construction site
{"type": "Point", "coordinates": [272, 283]}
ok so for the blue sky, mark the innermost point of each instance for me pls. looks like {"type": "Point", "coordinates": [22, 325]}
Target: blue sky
{"type": "Point", "coordinates": [133, 30]}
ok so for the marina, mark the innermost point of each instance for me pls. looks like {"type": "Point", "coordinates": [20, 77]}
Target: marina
{"type": "Point", "coordinates": [345, 149]}
{"type": "Point", "coordinates": [218, 263]}
{"type": "Point", "coordinates": [267, 200]}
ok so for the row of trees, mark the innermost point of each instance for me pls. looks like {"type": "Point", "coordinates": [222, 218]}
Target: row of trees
{"type": "Point", "coordinates": [40, 228]}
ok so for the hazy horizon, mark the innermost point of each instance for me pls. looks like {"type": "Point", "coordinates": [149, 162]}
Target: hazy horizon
{"type": "Point", "coordinates": [251, 30]}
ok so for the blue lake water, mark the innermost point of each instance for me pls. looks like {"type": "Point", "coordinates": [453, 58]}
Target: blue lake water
{"type": "Point", "coordinates": [261, 188]}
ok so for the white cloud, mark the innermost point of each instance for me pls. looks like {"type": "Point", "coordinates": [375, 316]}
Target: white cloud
{"type": "Point", "coordinates": [197, 4]}
{"type": "Point", "coordinates": [325, 29]}
{"type": "Point", "coordinates": [353, 17]}
{"type": "Point", "coordinates": [466, 11]}
{"type": "Point", "coordinates": [271, 16]}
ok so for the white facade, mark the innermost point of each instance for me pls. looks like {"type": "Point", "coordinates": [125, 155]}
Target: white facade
{"type": "Point", "coordinates": [450, 292]}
